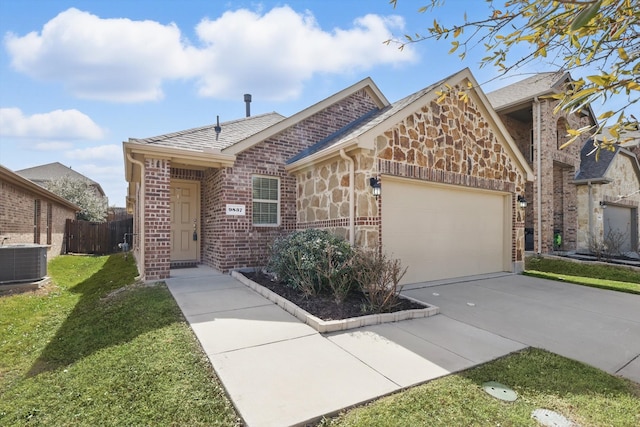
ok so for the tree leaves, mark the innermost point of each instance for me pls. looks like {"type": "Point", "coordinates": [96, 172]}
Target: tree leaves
{"type": "Point", "coordinates": [599, 34]}
{"type": "Point", "coordinates": [587, 14]}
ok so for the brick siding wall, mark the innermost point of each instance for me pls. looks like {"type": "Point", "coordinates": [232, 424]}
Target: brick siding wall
{"type": "Point", "coordinates": [233, 241]}
{"type": "Point", "coordinates": [17, 218]}
{"type": "Point", "coordinates": [157, 219]}
{"type": "Point", "coordinates": [557, 171]}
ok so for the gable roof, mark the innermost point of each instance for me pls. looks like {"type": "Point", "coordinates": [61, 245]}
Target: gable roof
{"type": "Point", "coordinates": [203, 138]}
{"type": "Point", "coordinates": [362, 136]}
{"type": "Point", "coordinates": [526, 90]}
{"type": "Point", "coordinates": [13, 178]}
{"type": "Point", "coordinates": [45, 173]}
{"type": "Point", "coordinates": [366, 84]}
{"type": "Point", "coordinates": [595, 170]}
{"type": "Point", "coordinates": [362, 125]}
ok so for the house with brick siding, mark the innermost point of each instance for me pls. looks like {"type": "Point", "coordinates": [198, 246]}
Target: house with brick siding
{"type": "Point", "coordinates": [32, 214]}
{"type": "Point", "coordinates": [527, 111]}
{"type": "Point", "coordinates": [447, 173]}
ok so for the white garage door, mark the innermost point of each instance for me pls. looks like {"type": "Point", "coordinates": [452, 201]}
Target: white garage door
{"type": "Point", "coordinates": [445, 231]}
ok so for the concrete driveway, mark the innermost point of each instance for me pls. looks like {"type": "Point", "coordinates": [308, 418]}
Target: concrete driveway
{"type": "Point", "coordinates": [595, 326]}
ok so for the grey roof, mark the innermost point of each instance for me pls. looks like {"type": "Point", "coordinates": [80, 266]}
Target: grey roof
{"type": "Point", "coordinates": [45, 173]}
{"type": "Point", "coordinates": [12, 177]}
{"type": "Point", "coordinates": [526, 90]}
{"type": "Point", "coordinates": [590, 168]}
{"type": "Point", "coordinates": [362, 125]}
{"type": "Point", "coordinates": [204, 137]}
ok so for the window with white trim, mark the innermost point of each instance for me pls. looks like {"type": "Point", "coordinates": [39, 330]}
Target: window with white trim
{"type": "Point", "coordinates": [266, 201]}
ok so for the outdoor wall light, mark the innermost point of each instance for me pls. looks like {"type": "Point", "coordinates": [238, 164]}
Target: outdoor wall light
{"type": "Point", "coordinates": [375, 186]}
{"type": "Point", "coordinates": [603, 204]}
{"type": "Point", "coordinates": [522, 202]}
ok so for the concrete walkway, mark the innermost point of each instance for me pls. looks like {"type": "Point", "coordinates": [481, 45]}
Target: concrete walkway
{"type": "Point", "coordinates": [279, 371]}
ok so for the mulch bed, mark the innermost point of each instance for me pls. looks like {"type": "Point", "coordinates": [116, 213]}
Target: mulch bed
{"type": "Point", "coordinates": [324, 306]}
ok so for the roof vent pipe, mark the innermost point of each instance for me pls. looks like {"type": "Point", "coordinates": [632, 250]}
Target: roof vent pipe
{"type": "Point", "coordinates": [247, 100]}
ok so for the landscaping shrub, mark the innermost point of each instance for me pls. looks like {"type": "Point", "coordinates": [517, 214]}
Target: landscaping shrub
{"type": "Point", "coordinates": [311, 261]}
{"type": "Point", "coordinates": [378, 277]}
{"type": "Point", "coordinates": [315, 261]}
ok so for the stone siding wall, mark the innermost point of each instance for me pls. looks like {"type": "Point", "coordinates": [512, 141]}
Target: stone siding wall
{"type": "Point", "coordinates": [624, 182]}
{"type": "Point", "coordinates": [323, 199]}
{"type": "Point", "coordinates": [17, 219]}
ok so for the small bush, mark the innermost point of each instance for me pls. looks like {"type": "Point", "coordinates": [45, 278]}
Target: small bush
{"type": "Point", "coordinates": [608, 246]}
{"type": "Point", "coordinates": [311, 260]}
{"type": "Point", "coordinates": [378, 277]}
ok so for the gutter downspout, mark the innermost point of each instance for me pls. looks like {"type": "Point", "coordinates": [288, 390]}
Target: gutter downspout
{"type": "Point", "coordinates": [352, 173]}
{"type": "Point", "coordinates": [590, 209]}
{"type": "Point", "coordinates": [140, 210]}
{"type": "Point", "coordinates": [538, 172]}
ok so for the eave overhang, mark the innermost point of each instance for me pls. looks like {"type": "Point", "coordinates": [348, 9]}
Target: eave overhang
{"type": "Point", "coordinates": [191, 159]}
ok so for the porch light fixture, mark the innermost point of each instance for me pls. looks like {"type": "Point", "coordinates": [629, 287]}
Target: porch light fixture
{"type": "Point", "coordinates": [522, 202]}
{"type": "Point", "coordinates": [603, 204]}
{"type": "Point", "coordinates": [375, 186]}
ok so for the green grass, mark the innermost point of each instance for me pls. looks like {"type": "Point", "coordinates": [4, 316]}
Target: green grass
{"type": "Point", "coordinates": [585, 395]}
{"type": "Point", "coordinates": [595, 275]}
{"type": "Point", "coordinates": [97, 349]}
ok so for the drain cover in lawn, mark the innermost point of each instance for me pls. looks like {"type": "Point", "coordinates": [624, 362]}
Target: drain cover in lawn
{"type": "Point", "coordinates": [500, 391]}
{"type": "Point", "coordinates": [550, 418]}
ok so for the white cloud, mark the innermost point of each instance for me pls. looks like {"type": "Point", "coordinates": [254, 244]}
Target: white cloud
{"type": "Point", "coordinates": [101, 152]}
{"type": "Point", "coordinates": [52, 146]}
{"type": "Point", "coordinates": [270, 54]}
{"type": "Point", "coordinates": [107, 59]}
{"type": "Point", "coordinates": [57, 125]}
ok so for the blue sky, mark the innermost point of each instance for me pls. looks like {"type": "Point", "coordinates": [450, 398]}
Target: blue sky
{"type": "Point", "coordinates": [77, 78]}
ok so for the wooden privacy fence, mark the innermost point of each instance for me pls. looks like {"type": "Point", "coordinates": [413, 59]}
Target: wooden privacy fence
{"type": "Point", "coordinates": [85, 237]}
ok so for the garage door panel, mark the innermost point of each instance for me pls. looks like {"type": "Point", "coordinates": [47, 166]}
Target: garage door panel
{"type": "Point", "coordinates": [443, 231]}
{"type": "Point", "coordinates": [617, 224]}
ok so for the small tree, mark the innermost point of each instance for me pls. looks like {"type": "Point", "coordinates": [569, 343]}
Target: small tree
{"type": "Point", "coordinates": [81, 193]}
{"type": "Point", "coordinates": [599, 34]}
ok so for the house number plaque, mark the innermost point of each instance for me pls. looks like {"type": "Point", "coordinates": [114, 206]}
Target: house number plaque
{"type": "Point", "coordinates": [235, 209]}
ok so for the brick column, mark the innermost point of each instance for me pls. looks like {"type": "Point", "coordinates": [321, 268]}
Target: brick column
{"type": "Point", "coordinates": [157, 219]}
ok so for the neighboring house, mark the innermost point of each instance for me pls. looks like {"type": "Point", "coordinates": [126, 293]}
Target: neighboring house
{"type": "Point", "coordinates": [450, 177]}
{"type": "Point", "coordinates": [43, 174]}
{"type": "Point", "coordinates": [609, 189]}
{"type": "Point", "coordinates": [528, 113]}
{"type": "Point", "coordinates": [31, 214]}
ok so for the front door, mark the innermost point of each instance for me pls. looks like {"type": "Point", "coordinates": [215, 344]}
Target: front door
{"type": "Point", "coordinates": [185, 220]}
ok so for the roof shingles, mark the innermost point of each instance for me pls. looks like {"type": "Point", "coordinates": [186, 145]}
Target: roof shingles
{"type": "Point", "coordinates": [525, 90]}
{"type": "Point", "coordinates": [198, 139]}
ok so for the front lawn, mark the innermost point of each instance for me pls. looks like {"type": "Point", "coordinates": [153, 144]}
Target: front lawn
{"type": "Point", "coordinates": [596, 275]}
{"type": "Point", "coordinates": [94, 348]}
{"type": "Point", "coordinates": [585, 395]}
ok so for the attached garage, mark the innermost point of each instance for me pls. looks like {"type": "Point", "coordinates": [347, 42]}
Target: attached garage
{"type": "Point", "coordinates": [444, 231]}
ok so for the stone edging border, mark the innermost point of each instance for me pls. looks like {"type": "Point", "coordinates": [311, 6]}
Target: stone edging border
{"type": "Point", "coordinates": [325, 326]}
